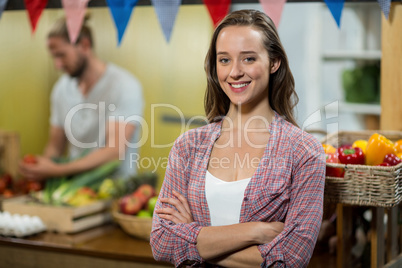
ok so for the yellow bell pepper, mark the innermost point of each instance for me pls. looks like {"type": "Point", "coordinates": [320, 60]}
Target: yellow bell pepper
{"type": "Point", "coordinates": [398, 146]}
{"type": "Point", "coordinates": [377, 147]}
{"type": "Point", "coordinates": [329, 149]}
{"type": "Point", "coordinates": [399, 155]}
{"type": "Point", "coordinates": [362, 144]}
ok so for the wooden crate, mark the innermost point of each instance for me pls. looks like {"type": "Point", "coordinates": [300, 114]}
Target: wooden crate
{"type": "Point", "coordinates": [61, 219]}
{"type": "Point", "coordinates": [9, 152]}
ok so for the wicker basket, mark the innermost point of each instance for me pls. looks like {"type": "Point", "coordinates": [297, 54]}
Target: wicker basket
{"type": "Point", "coordinates": [364, 185]}
{"type": "Point", "coordinates": [135, 226]}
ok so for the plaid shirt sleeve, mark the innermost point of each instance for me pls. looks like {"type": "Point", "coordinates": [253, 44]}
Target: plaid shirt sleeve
{"type": "Point", "coordinates": [175, 243]}
{"type": "Point", "coordinates": [294, 246]}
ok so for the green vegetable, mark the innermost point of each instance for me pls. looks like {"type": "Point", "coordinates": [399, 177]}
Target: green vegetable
{"type": "Point", "coordinates": [362, 84]}
{"type": "Point", "coordinates": [50, 186]}
{"type": "Point", "coordinates": [91, 178]}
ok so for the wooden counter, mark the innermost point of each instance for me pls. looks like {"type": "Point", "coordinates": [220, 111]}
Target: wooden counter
{"type": "Point", "coordinates": [105, 246]}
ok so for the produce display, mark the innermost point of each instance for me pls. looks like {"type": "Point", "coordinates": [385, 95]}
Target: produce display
{"type": "Point", "coordinates": [376, 151]}
{"type": "Point", "coordinates": [10, 186]}
{"type": "Point", "coordinates": [140, 203]}
{"type": "Point", "coordinates": [80, 189]}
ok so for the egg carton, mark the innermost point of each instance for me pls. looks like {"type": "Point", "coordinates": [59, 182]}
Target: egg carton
{"type": "Point", "coordinates": [20, 225]}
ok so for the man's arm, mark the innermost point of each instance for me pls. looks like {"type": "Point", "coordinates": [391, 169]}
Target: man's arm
{"type": "Point", "coordinates": [56, 144]}
{"type": "Point", "coordinates": [117, 133]}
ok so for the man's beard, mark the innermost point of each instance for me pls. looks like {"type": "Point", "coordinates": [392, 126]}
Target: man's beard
{"type": "Point", "coordinates": [81, 66]}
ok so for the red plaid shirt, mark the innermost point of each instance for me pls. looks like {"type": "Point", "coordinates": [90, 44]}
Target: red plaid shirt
{"type": "Point", "coordinates": [288, 186]}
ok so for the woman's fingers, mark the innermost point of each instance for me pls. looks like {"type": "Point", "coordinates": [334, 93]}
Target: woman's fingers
{"type": "Point", "coordinates": [183, 200]}
{"type": "Point", "coordinates": [171, 214]}
{"type": "Point", "coordinates": [169, 217]}
{"type": "Point", "coordinates": [174, 202]}
{"type": "Point", "coordinates": [181, 212]}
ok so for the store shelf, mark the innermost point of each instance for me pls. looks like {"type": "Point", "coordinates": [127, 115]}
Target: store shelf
{"type": "Point", "coordinates": [360, 108]}
{"type": "Point", "coordinates": [356, 108]}
{"type": "Point", "coordinates": [352, 55]}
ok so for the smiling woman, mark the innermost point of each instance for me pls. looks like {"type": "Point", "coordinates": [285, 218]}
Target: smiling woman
{"type": "Point", "coordinates": [246, 190]}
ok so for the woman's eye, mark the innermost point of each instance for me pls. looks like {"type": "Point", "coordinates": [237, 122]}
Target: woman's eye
{"type": "Point", "coordinates": [249, 59]}
{"type": "Point", "coordinates": [223, 60]}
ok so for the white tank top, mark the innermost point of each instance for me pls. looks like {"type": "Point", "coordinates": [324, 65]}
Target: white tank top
{"type": "Point", "coordinates": [224, 199]}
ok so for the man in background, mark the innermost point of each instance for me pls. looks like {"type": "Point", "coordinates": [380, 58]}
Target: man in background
{"type": "Point", "coordinates": [96, 109]}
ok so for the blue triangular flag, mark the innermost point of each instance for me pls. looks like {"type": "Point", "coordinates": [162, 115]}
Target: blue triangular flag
{"type": "Point", "coordinates": [385, 6]}
{"type": "Point", "coordinates": [121, 13]}
{"type": "Point", "coordinates": [166, 11]}
{"type": "Point", "coordinates": [2, 6]}
{"type": "Point", "coordinates": [336, 6]}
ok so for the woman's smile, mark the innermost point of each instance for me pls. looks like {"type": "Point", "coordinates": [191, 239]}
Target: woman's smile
{"type": "Point", "coordinates": [239, 87]}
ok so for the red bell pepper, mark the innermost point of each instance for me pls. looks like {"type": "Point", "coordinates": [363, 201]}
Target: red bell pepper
{"type": "Point", "coordinates": [333, 171]}
{"type": "Point", "coordinates": [392, 159]}
{"type": "Point", "coordinates": [350, 155]}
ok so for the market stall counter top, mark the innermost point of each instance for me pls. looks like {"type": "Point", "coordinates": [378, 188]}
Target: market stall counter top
{"type": "Point", "coordinates": [103, 246]}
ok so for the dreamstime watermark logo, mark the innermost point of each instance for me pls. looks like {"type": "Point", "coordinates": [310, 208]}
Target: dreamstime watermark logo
{"type": "Point", "coordinates": [238, 133]}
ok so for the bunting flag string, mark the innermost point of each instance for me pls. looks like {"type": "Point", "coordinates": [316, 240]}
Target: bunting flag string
{"type": "Point", "coordinates": [121, 12]}
{"type": "Point", "coordinates": [75, 13]}
{"type": "Point", "coordinates": [2, 6]}
{"type": "Point", "coordinates": [218, 9]}
{"type": "Point", "coordinates": [336, 7]}
{"type": "Point", "coordinates": [35, 8]}
{"type": "Point", "coordinates": [273, 8]}
{"type": "Point", "coordinates": [166, 11]}
{"type": "Point", "coordinates": [385, 6]}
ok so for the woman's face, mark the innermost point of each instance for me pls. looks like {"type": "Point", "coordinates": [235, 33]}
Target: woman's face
{"type": "Point", "coordinates": [243, 65]}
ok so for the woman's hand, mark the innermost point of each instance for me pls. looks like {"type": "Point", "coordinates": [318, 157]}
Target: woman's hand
{"type": "Point", "coordinates": [180, 213]}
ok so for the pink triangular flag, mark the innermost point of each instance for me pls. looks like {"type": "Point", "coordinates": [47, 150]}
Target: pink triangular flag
{"type": "Point", "coordinates": [35, 8]}
{"type": "Point", "coordinates": [273, 8]}
{"type": "Point", "coordinates": [75, 13]}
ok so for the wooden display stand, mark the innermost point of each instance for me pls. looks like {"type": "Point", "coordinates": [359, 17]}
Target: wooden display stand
{"type": "Point", "coordinates": [384, 249]}
{"type": "Point", "coordinates": [9, 152]}
{"type": "Point", "coordinates": [61, 219]}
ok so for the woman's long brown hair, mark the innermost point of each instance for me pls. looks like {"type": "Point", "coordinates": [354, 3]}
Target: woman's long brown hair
{"type": "Point", "coordinates": [282, 94]}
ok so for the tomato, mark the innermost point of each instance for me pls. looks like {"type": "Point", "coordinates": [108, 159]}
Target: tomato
{"type": "Point", "coordinates": [3, 186]}
{"type": "Point", "coordinates": [8, 193]}
{"type": "Point", "coordinates": [30, 159]}
{"type": "Point", "coordinates": [7, 179]}
{"type": "Point", "coordinates": [33, 186]}
{"type": "Point", "coordinates": [333, 171]}
{"type": "Point", "coordinates": [392, 159]}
